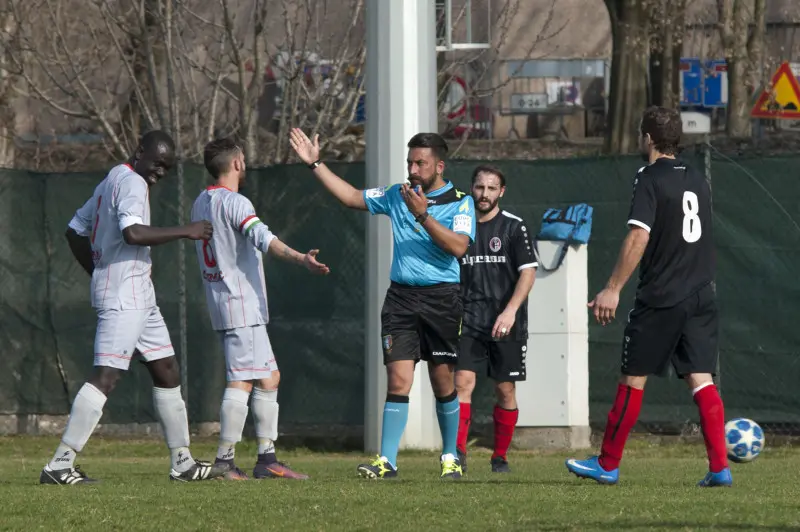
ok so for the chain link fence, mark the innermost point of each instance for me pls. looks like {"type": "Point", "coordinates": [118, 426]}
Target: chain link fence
{"type": "Point", "coordinates": [317, 324]}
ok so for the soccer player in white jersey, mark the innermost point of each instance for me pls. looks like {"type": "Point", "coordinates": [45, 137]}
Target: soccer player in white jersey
{"type": "Point", "coordinates": [232, 269]}
{"type": "Point", "coordinates": [110, 236]}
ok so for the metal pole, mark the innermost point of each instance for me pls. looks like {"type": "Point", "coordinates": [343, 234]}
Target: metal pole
{"type": "Point", "coordinates": [400, 102]}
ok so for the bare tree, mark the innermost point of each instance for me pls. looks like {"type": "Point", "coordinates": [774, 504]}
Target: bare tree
{"type": "Point", "coordinates": [744, 54]}
{"type": "Point", "coordinates": [630, 24]}
{"type": "Point", "coordinates": [483, 66]}
{"type": "Point", "coordinates": [7, 82]}
{"type": "Point", "coordinates": [667, 29]}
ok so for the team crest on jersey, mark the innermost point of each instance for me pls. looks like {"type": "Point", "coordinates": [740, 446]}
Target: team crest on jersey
{"type": "Point", "coordinates": [495, 244]}
{"type": "Point", "coordinates": [387, 343]}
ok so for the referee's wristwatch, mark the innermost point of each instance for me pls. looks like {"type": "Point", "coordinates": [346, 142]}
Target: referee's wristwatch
{"type": "Point", "coordinates": [315, 164]}
{"type": "Point", "coordinates": [422, 217]}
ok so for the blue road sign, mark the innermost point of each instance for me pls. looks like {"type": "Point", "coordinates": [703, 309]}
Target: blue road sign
{"type": "Point", "coordinates": [715, 83]}
{"type": "Point", "coordinates": [691, 81]}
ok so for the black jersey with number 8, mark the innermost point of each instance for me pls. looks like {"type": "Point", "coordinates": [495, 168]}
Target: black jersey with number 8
{"type": "Point", "coordinates": [672, 201]}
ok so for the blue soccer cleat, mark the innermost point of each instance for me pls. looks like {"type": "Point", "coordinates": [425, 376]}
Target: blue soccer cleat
{"type": "Point", "coordinates": [723, 479]}
{"type": "Point", "coordinates": [591, 468]}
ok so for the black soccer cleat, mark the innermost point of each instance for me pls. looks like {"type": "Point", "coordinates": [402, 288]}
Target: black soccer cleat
{"type": "Point", "coordinates": [201, 470]}
{"type": "Point", "coordinates": [377, 469]}
{"type": "Point", "coordinates": [64, 477]}
{"type": "Point", "coordinates": [500, 465]}
{"type": "Point", "coordinates": [462, 459]}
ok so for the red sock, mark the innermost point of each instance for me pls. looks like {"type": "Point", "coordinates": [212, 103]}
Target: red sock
{"type": "Point", "coordinates": [465, 420]}
{"type": "Point", "coordinates": [621, 419]}
{"type": "Point", "coordinates": [712, 421]}
{"type": "Point", "coordinates": [504, 423]}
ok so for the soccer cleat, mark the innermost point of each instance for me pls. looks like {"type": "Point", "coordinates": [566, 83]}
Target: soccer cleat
{"type": "Point", "coordinates": [451, 468]}
{"type": "Point", "coordinates": [723, 479]}
{"type": "Point", "coordinates": [64, 477]}
{"type": "Point", "coordinates": [591, 468]}
{"type": "Point", "coordinates": [379, 468]}
{"type": "Point", "coordinates": [276, 470]}
{"type": "Point", "coordinates": [200, 470]}
{"type": "Point", "coordinates": [500, 465]}
{"type": "Point", "coordinates": [233, 472]}
{"type": "Point", "coordinates": [462, 459]}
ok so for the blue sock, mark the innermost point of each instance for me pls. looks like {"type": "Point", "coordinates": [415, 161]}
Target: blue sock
{"type": "Point", "coordinates": [395, 417]}
{"type": "Point", "coordinates": [447, 411]}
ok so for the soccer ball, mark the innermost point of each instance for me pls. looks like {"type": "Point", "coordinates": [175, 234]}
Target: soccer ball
{"type": "Point", "coordinates": [744, 439]}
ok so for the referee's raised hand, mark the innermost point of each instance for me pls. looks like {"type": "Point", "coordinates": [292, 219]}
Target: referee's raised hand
{"type": "Point", "coordinates": [415, 200]}
{"type": "Point", "coordinates": [306, 150]}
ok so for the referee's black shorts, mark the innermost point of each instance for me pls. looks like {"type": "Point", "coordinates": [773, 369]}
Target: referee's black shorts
{"type": "Point", "coordinates": [685, 336]}
{"type": "Point", "coordinates": [421, 323]}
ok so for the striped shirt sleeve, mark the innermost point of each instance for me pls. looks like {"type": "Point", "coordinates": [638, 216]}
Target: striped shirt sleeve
{"type": "Point", "coordinates": [81, 223]}
{"type": "Point", "coordinates": [245, 220]}
{"type": "Point", "coordinates": [131, 201]}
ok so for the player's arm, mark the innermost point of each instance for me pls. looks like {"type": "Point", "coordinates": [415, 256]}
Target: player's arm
{"type": "Point", "coordinates": [132, 197]}
{"type": "Point", "coordinates": [308, 260]}
{"type": "Point", "coordinates": [243, 218]}
{"type": "Point", "coordinates": [308, 152]}
{"type": "Point", "coordinates": [629, 256]}
{"type": "Point", "coordinates": [524, 260]}
{"type": "Point", "coordinates": [641, 217]}
{"type": "Point", "coordinates": [77, 235]}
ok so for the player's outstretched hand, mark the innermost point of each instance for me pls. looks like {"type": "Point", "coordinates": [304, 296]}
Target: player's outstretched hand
{"type": "Point", "coordinates": [307, 151]}
{"type": "Point", "coordinates": [503, 324]}
{"type": "Point", "coordinates": [415, 200]}
{"type": "Point", "coordinates": [604, 305]}
{"type": "Point", "coordinates": [202, 230]}
{"type": "Point", "coordinates": [313, 265]}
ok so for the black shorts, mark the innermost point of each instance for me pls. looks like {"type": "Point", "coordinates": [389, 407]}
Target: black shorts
{"type": "Point", "coordinates": [685, 335]}
{"type": "Point", "coordinates": [505, 360]}
{"type": "Point", "coordinates": [421, 323]}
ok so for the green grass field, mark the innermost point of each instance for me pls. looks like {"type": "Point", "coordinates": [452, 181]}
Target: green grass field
{"type": "Point", "coordinates": [657, 491]}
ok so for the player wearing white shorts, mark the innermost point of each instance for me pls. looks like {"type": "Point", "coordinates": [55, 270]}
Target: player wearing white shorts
{"type": "Point", "coordinates": [232, 269]}
{"type": "Point", "coordinates": [110, 236]}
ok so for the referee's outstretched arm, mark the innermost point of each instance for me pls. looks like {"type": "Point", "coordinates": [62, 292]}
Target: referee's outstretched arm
{"type": "Point", "coordinates": [308, 152]}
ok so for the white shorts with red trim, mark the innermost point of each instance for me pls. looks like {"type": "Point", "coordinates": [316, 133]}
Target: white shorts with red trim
{"type": "Point", "coordinates": [248, 353]}
{"type": "Point", "coordinates": [121, 334]}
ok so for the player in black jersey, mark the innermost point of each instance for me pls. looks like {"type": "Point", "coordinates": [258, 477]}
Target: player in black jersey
{"type": "Point", "coordinates": [497, 274]}
{"type": "Point", "coordinates": [674, 319]}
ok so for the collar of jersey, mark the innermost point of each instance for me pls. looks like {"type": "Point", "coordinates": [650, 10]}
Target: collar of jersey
{"type": "Point", "coordinates": [447, 186]}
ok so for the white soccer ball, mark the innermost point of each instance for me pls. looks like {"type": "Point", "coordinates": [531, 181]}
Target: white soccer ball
{"type": "Point", "coordinates": [744, 439]}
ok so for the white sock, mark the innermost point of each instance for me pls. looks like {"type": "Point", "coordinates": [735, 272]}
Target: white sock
{"type": "Point", "coordinates": [232, 417]}
{"type": "Point", "coordinates": [171, 413]}
{"type": "Point", "coordinates": [87, 409]}
{"type": "Point", "coordinates": [701, 387]}
{"type": "Point", "coordinates": [265, 415]}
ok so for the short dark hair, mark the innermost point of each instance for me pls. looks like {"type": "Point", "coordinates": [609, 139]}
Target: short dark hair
{"type": "Point", "coordinates": [153, 138]}
{"type": "Point", "coordinates": [434, 141]}
{"type": "Point", "coordinates": [218, 155]}
{"type": "Point", "coordinates": [485, 168]}
{"type": "Point", "coordinates": [664, 127]}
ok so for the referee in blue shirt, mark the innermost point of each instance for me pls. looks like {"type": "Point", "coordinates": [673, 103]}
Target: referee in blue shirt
{"type": "Point", "coordinates": [433, 224]}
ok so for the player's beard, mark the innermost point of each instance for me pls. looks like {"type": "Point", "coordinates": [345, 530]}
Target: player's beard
{"type": "Point", "coordinates": [486, 207]}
